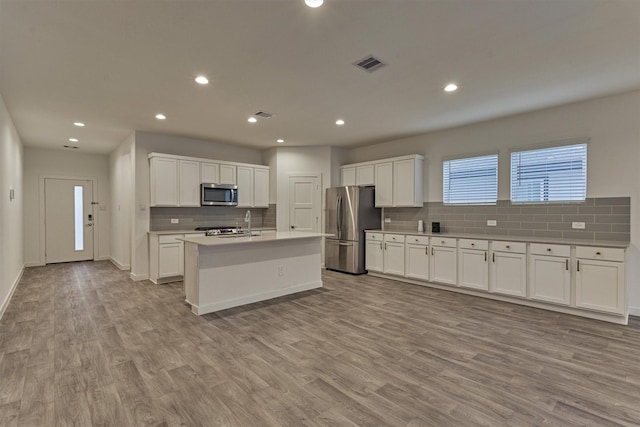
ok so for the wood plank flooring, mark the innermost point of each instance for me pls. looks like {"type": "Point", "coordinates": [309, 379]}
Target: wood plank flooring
{"type": "Point", "coordinates": [81, 344]}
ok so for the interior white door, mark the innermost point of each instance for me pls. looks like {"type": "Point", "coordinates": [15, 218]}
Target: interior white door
{"type": "Point", "coordinates": [305, 198]}
{"type": "Point", "coordinates": [69, 220]}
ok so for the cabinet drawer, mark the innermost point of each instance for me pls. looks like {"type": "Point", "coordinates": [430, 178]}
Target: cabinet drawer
{"type": "Point", "coordinates": [553, 250]}
{"type": "Point", "coordinates": [375, 236]}
{"type": "Point", "coordinates": [474, 244]}
{"type": "Point", "coordinates": [449, 242]}
{"type": "Point", "coordinates": [605, 254]}
{"type": "Point", "coordinates": [418, 240]}
{"type": "Point", "coordinates": [513, 247]}
{"type": "Point", "coordinates": [169, 238]}
{"type": "Point", "coordinates": [394, 238]}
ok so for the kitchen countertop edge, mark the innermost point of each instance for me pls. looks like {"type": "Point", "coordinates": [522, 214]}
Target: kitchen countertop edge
{"type": "Point", "coordinates": [192, 231]}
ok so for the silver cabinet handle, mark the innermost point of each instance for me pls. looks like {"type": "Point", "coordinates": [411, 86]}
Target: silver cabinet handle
{"type": "Point", "coordinates": [380, 245]}
{"type": "Point", "coordinates": [567, 264]}
{"type": "Point", "coordinates": [578, 264]}
{"type": "Point", "coordinates": [426, 250]}
{"type": "Point", "coordinates": [485, 257]}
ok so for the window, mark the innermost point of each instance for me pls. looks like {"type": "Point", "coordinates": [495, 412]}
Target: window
{"type": "Point", "coordinates": [549, 174]}
{"type": "Point", "coordinates": [470, 180]}
{"type": "Point", "coordinates": [78, 217]}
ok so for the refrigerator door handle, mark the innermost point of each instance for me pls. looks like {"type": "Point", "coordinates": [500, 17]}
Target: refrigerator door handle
{"type": "Point", "coordinates": [339, 216]}
{"type": "Point", "coordinates": [345, 244]}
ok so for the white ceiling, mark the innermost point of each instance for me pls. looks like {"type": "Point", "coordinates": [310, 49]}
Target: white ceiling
{"type": "Point", "coordinates": [115, 64]}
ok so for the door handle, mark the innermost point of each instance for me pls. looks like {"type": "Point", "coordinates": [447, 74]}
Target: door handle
{"type": "Point", "coordinates": [432, 251]}
{"type": "Point", "coordinates": [494, 257]}
{"type": "Point", "coordinates": [380, 245]}
{"type": "Point", "coordinates": [485, 257]}
{"type": "Point", "coordinates": [385, 246]}
{"type": "Point", "coordinates": [89, 225]}
{"type": "Point", "coordinates": [578, 264]}
{"type": "Point", "coordinates": [426, 250]}
{"type": "Point", "coordinates": [566, 264]}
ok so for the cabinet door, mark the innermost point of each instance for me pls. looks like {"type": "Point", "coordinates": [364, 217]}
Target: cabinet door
{"type": "Point", "coordinates": [473, 269]}
{"type": "Point", "coordinates": [394, 258]}
{"type": "Point", "coordinates": [189, 183]}
{"type": "Point", "coordinates": [210, 173]}
{"type": "Point", "coordinates": [364, 175]}
{"type": "Point", "coordinates": [261, 188]}
{"type": "Point", "coordinates": [227, 174]}
{"type": "Point", "coordinates": [549, 279]}
{"type": "Point", "coordinates": [404, 183]}
{"type": "Point", "coordinates": [600, 285]}
{"type": "Point", "coordinates": [164, 182]}
{"type": "Point", "coordinates": [443, 265]}
{"type": "Point", "coordinates": [373, 256]}
{"type": "Point", "coordinates": [171, 259]}
{"type": "Point", "coordinates": [509, 274]}
{"type": "Point", "coordinates": [417, 261]}
{"type": "Point", "coordinates": [245, 187]}
{"type": "Point", "coordinates": [384, 184]}
{"type": "Point", "coordinates": [348, 176]}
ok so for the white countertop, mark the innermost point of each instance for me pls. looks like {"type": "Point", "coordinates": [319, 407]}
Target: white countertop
{"type": "Point", "coordinates": [502, 237]}
{"type": "Point", "coordinates": [265, 236]}
{"type": "Point", "coordinates": [192, 231]}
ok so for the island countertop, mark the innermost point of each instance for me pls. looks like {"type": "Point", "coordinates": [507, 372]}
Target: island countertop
{"type": "Point", "coordinates": [265, 236]}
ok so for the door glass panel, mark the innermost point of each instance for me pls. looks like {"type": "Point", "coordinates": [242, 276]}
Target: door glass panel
{"type": "Point", "coordinates": [78, 217]}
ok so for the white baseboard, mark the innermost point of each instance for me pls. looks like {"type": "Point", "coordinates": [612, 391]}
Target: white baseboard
{"type": "Point", "coordinates": [118, 264]}
{"type": "Point", "coordinates": [34, 264]}
{"type": "Point", "coordinates": [634, 311]}
{"type": "Point", "coordinates": [6, 301]}
{"type": "Point", "coordinates": [138, 277]}
{"type": "Point", "coordinates": [102, 258]}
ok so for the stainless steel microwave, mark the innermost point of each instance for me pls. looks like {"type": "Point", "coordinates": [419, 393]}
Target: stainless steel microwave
{"type": "Point", "coordinates": [218, 195]}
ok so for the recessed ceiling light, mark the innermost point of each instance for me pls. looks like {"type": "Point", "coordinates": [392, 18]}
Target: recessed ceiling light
{"type": "Point", "coordinates": [313, 3]}
{"type": "Point", "coordinates": [280, 141]}
{"type": "Point", "coordinates": [202, 80]}
{"type": "Point", "coordinates": [161, 117]}
{"type": "Point", "coordinates": [252, 120]}
{"type": "Point", "coordinates": [73, 139]}
{"type": "Point", "coordinates": [339, 122]}
{"type": "Point", "coordinates": [451, 87]}
{"type": "Point", "coordinates": [79, 124]}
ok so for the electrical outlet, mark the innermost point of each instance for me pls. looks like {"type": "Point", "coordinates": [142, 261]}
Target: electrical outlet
{"type": "Point", "coordinates": [280, 271]}
{"type": "Point", "coordinates": [175, 221]}
{"type": "Point", "coordinates": [492, 222]}
{"type": "Point", "coordinates": [387, 220]}
{"type": "Point", "coordinates": [578, 225]}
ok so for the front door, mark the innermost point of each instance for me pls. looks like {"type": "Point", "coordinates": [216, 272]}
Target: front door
{"type": "Point", "coordinates": [69, 220]}
{"type": "Point", "coordinates": [305, 198]}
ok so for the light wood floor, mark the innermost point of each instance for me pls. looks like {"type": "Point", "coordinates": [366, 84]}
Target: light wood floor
{"type": "Point", "coordinates": [80, 344]}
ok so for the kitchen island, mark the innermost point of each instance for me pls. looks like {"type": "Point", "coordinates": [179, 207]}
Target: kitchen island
{"type": "Point", "coordinates": [229, 271]}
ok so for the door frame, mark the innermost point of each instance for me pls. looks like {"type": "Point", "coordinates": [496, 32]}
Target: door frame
{"type": "Point", "coordinates": [318, 197]}
{"type": "Point", "coordinates": [41, 223]}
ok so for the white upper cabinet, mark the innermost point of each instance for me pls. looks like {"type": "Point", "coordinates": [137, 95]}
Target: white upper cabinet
{"type": "Point", "coordinates": [210, 173]}
{"type": "Point", "coordinates": [245, 187]}
{"type": "Point", "coordinates": [398, 180]}
{"type": "Point", "coordinates": [228, 174]}
{"type": "Point", "coordinates": [261, 188]}
{"type": "Point", "coordinates": [164, 181]}
{"type": "Point", "coordinates": [384, 184]}
{"type": "Point", "coordinates": [348, 176]}
{"type": "Point", "coordinates": [189, 181]}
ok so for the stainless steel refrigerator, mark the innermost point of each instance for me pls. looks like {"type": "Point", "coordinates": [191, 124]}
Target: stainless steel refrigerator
{"type": "Point", "coordinates": [350, 211]}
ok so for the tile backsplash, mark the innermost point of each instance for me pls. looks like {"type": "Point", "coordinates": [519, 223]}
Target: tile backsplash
{"type": "Point", "coordinates": [191, 218]}
{"type": "Point", "coordinates": [606, 218]}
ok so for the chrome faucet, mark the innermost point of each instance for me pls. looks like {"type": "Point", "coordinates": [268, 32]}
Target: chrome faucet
{"type": "Point", "coordinates": [247, 219]}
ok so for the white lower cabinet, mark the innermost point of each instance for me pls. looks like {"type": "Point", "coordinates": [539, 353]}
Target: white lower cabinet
{"type": "Point", "coordinates": [549, 275]}
{"type": "Point", "coordinates": [473, 266]}
{"type": "Point", "coordinates": [600, 279]}
{"type": "Point", "coordinates": [374, 252]}
{"type": "Point", "coordinates": [443, 262]}
{"type": "Point", "coordinates": [416, 252]}
{"type": "Point", "coordinates": [393, 261]}
{"type": "Point", "coordinates": [509, 273]}
{"type": "Point", "coordinates": [166, 257]}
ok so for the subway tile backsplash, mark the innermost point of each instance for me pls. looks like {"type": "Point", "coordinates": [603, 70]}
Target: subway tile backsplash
{"type": "Point", "coordinates": [191, 218]}
{"type": "Point", "coordinates": [605, 218]}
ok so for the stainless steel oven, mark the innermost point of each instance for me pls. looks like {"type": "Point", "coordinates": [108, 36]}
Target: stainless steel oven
{"type": "Point", "coordinates": [218, 195]}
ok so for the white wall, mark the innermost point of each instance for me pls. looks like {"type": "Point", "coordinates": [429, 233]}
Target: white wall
{"type": "Point", "coordinates": [11, 211]}
{"type": "Point", "coordinates": [612, 123]}
{"type": "Point", "coordinates": [121, 187]}
{"type": "Point", "coordinates": [40, 163]}
{"type": "Point", "coordinates": [146, 143]}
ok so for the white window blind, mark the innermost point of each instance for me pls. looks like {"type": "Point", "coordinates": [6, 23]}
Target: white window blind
{"type": "Point", "coordinates": [470, 180]}
{"type": "Point", "coordinates": [549, 174]}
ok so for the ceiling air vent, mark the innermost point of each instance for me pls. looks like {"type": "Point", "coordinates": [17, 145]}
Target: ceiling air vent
{"type": "Point", "coordinates": [263, 114]}
{"type": "Point", "coordinates": [369, 64]}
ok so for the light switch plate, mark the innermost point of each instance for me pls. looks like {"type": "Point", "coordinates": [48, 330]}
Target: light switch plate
{"type": "Point", "coordinates": [578, 225]}
{"type": "Point", "coordinates": [387, 220]}
{"type": "Point", "coordinates": [492, 222]}
{"type": "Point", "coordinates": [175, 221]}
